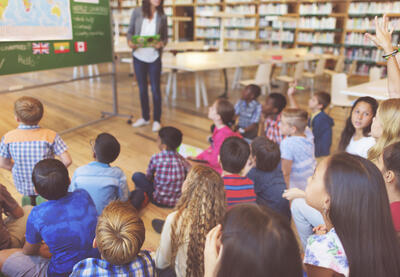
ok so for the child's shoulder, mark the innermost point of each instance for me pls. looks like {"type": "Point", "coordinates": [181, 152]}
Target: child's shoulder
{"type": "Point", "coordinates": [27, 134]}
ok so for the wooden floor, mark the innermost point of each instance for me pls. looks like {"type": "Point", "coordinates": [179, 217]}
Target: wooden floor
{"type": "Point", "coordinates": [69, 105]}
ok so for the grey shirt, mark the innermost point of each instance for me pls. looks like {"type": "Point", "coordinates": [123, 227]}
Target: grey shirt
{"type": "Point", "coordinates": [135, 25]}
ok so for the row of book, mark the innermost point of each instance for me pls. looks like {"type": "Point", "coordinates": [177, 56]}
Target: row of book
{"type": "Point", "coordinates": [368, 23]}
{"type": "Point", "coordinates": [361, 8]}
{"type": "Point", "coordinates": [316, 37]}
{"type": "Point", "coordinates": [316, 9]}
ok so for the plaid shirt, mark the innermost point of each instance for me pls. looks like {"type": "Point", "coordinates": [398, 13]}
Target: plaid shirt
{"type": "Point", "coordinates": [167, 170]}
{"type": "Point", "coordinates": [272, 129]}
{"type": "Point", "coordinates": [248, 113]}
{"type": "Point", "coordinates": [142, 266]}
{"type": "Point", "coordinates": [27, 145]}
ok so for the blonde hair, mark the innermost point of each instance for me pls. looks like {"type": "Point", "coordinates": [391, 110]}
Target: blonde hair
{"type": "Point", "coordinates": [120, 233]}
{"type": "Point", "coordinates": [389, 115]}
{"type": "Point", "coordinates": [201, 206]}
{"type": "Point", "coordinates": [29, 110]}
{"type": "Point", "coordinates": [296, 118]}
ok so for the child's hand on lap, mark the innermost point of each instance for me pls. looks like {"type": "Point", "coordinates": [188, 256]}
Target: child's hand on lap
{"type": "Point", "coordinates": [320, 229]}
{"type": "Point", "coordinates": [293, 193]}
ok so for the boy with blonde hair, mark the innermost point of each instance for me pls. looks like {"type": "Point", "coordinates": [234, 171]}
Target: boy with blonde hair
{"type": "Point", "coordinates": [297, 148]}
{"type": "Point", "coordinates": [120, 234]}
{"type": "Point", "coordinates": [22, 148]}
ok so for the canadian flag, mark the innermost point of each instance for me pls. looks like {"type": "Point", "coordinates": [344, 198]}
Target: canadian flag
{"type": "Point", "coordinates": [80, 46]}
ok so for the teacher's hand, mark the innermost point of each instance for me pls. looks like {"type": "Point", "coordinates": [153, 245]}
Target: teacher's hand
{"type": "Point", "coordinates": [159, 45]}
{"type": "Point", "coordinates": [132, 45]}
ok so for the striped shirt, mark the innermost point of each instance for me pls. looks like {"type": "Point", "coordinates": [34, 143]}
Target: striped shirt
{"type": "Point", "coordinates": [142, 266]}
{"type": "Point", "coordinates": [27, 145]}
{"type": "Point", "coordinates": [238, 189]}
{"type": "Point", "coordinates": [273, 129]}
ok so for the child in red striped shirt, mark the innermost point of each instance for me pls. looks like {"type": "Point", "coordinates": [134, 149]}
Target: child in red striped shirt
{"type": "Point", "coordinates": [233, 157]}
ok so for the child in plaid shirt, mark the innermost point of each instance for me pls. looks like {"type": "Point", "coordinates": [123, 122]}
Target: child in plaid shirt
{"type": "Point", "coordinates": [271, 111]}
{"type": "Point", "coordinates": [120, 234]}
{"type": "Point", "coordinates": [22, 148]}
{"type": "Point", "coordinates": [248, 111]}
{"type": "Point", "coordinates": [165, 174]}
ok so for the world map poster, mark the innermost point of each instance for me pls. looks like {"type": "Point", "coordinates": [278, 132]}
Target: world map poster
{"type": "Point", "coordinates": [33, 20]}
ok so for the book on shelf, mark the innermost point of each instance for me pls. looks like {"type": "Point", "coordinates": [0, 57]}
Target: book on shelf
{"type": "Point", "coordinates": [362, 8]}
{"type": "Point", "coordinates": [315, 9]}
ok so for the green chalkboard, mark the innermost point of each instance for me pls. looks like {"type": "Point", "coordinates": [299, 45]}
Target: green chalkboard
{"type": "Point", "coordinates": [48, 34]}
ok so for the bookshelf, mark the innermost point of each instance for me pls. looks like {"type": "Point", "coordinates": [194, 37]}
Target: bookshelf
{"type": "Point", "coordinates": [322, 26]}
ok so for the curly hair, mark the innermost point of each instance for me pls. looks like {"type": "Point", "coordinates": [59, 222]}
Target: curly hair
{"type": "Point", "coordinates": [201, 206]}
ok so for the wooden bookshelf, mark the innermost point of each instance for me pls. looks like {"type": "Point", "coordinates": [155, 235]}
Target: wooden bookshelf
{"type": "Point", "coordinates": [323, 26]}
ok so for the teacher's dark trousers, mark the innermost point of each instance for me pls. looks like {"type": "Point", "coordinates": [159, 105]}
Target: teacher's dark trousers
{"type": "Point", "coordinates": [153, 70]}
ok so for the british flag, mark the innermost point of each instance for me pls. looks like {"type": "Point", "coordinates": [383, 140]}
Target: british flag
{"type": "Point", "coordinates": [41, 48]}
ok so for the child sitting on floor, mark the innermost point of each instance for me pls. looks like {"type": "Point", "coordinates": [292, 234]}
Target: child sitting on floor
{"type": "Point", "coordinates": [234, 156]}
{"type": "Point", "coordinates": [66, 223]}
{"type": "Point", "coordinates": [320, 123]}
{"type": "Point", "coordinates": [222, 114]}
{"type": "Point", "coordinates": [267, 176]}
{"type": "Point", "coordinates": [248, 112]}
{"type": "Point", "coordinates": [271, 111]}
{"type": "Point", "coordinates": [22, 148]}
{"type": "Point", "coordinates": [297, 150]}
{"type": "Point", "coordinates": [120, 234]}
{"type": "Point", "coordinates": [103, 182]}
{"type": "Point", "coordinates": [165, 174]}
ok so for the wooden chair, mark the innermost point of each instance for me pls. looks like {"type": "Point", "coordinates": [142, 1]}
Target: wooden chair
{"type": "Point", "coordinates": [319, 71]}
{"type": "Point", "coordinates": [374, 74]}
{"type": "Point", "coordinates": [338, 83]}
{"type": "Point", "coordinates": [339, 66]}
{"type": "Point", "coordinates": [298, 73]}
{"type": "Point", "coordinates": [262, 78]}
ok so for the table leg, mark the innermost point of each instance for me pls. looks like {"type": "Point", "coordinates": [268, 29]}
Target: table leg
{"type": "Point", "coordinates": [174, 84]}
{"type": "Point", "coordinates": [197, 88]}
{"type": "Point", "coordinates": [237, 77]}
{"type": "Point", "coordinates": [225, 94]}
{"type": "Point", "coordinates": [203, 90]}
{"type": "Point", "coordinates": [169, 81]}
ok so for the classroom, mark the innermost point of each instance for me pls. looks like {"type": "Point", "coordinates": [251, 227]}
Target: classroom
{"type": "Point", "coordinates": [200, 138]}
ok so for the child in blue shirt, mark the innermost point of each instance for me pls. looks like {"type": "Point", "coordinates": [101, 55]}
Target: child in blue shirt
{"type": "Point", "coordinates": [103, 182]}
{"type": "Point", "coordinates": [66, 223]}
{"type": "Point", "coordinates": [267, 176]}
{"type": "Point", "coordinates": [320, 123]}
{"type": "Point", "coordinates": [248, 112]}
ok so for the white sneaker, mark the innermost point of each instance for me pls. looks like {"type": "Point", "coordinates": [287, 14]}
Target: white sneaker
{"type": "Point", "coordinates": [140, 122]}
{"type": "Point", "coordinates": [156, 126]}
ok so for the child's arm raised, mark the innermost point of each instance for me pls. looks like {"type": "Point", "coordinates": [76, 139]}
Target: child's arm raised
{"type": "Point", "coordinates": [286, 169]}
{"type": "Point", "coordinates": [6, 163]}
{"type": "Point", "coordinates": [290, 93]}
{"type": "Point", "coordinates": [383, 39]}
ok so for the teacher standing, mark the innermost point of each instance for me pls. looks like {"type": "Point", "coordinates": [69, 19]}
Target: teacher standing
{"type": "Point", "coordinates": [148, 20]}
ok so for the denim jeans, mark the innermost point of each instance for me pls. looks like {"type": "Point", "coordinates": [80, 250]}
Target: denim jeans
{"type": "Point", "coordinates": [153, 70]}
{"type": "Point", "coordinates": [305, 219]}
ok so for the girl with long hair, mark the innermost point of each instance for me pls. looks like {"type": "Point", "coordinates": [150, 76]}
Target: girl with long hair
{"type": "Point", "coordinates": [350, 193]}
{"type": "Point", "coordinates": [385, 127]}
{"type": "Point", "coordinates": [355, 137]}
{"type": "Point", "coordinates": [252, 241]}
{"type": "Point", "coordinates": [200, 207]}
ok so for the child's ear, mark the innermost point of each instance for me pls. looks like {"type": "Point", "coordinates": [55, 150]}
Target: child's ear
{"type": "Point", "coordinates": [389, 177]}
{"type": "Point", "coordinates": [94, 243]}
{"type": "Point", "coordinates": [17, 119]}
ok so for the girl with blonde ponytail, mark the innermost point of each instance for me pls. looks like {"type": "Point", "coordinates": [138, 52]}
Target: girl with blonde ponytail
{"type": "Point", "coordinates": [201, 206]}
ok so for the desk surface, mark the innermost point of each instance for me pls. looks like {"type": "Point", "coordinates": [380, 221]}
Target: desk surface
{"type": "Point", "coordinates": [122, 46]}
{"type": "Point", "coordinates": [203, 61]}
{"type": "Point", "coordinates": [376, 89]}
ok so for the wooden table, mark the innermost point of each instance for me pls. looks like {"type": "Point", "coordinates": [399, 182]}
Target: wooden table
{"type": "Point", "coordinates": [200, 62]}
{"type": "Point", "coordinates": [376, 89]}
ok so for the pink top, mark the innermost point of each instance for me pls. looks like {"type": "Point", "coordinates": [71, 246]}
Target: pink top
{"type": "Point", "coordinates": [395, 209]}
{"type": "Point", "coordinates": [211, 153]}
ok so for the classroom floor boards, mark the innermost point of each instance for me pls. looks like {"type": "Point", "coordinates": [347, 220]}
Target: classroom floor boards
{"type": "Point", "coordinates": [69, 105]}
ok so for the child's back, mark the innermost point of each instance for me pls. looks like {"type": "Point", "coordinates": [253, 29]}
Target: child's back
{"type": "Point", "coordinates": [234, 155]}
{"type": "Point", "coordinates": [267, 175]}
{"type": "Point", "coordinates": [103, 182]}
{"type": "Point", "coordinates": [29, 144]}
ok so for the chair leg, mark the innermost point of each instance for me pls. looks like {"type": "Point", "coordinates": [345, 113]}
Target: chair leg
{"type": "Point", "coordinates": [263, 90]}
{"type": "Point", "coordinates": [169, 80]}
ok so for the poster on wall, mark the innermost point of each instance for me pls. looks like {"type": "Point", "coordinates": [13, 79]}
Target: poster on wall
{"type": "Point", "coordinates": [32, 20]}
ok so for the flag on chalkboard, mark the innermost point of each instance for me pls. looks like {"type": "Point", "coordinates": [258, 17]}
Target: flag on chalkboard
{"type": "Point", "coordinates": [80, 46]}
{"type": "Point", "coordinates": [40, 48]}
{"type": "Point", "coordinates": [61, 47]}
